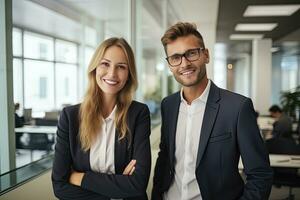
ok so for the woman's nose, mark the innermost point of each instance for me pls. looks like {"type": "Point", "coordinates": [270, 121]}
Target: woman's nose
{"type": "Point", "coordinates": [112, 71]}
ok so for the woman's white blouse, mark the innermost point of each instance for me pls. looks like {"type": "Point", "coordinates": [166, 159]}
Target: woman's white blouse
{"type": "Point", "coordinates": [102, 152]}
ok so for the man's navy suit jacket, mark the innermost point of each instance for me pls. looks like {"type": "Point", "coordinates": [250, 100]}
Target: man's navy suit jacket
{"type": "Point", "coordinates": [101, 186]}
{"type": "Point", "coordinates": [229, 130]}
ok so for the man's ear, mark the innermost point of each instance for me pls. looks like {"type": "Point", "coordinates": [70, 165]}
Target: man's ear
{"type": "Point", "coordinates": [207, 56]}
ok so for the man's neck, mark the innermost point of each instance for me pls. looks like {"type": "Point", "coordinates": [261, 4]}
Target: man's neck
{"type": "Point", "coordinates": [193, 92]}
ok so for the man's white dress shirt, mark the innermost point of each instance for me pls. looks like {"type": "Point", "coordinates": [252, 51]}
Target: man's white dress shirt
{"type": "Point", "coordinates": [189, 123]}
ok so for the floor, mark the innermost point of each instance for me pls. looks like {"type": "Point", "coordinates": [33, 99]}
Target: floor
{"type": "Point", "coordinates": [23, 157]}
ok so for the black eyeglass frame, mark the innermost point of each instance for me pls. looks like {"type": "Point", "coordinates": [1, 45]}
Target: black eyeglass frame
{"type": "Point", "coordinates": [185, 55]}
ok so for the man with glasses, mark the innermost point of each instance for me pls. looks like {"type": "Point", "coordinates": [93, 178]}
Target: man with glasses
{"type": "Point", "coordinates": [204, 132]}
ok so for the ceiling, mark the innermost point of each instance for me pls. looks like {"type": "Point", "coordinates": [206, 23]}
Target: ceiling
{"type": "Point", "coordinates": [32, 16]}
{"type": "Point", "coordinates": [55, 14]}
{"type": "Point", "coordinates": [222, 15]}
{"type": "Point", "coordinates": [231, 13]}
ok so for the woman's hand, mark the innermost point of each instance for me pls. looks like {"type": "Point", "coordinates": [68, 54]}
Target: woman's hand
{"type": "Point", "coordinates": [130, 168]}
{"type": "Point", "coordinates": [76, 178]}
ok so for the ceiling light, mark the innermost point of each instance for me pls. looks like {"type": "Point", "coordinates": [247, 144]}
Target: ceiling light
{"type": "Point", "coordinates": [275, 49]}
{"type": "Point", "coordinates": [256, 27]}
{"type": "Point", "coordinates": [271, 10]}
{"type": "Point", "coordinates": [229, 66]}
{"type": "Point", "coordinates": [245, 36]}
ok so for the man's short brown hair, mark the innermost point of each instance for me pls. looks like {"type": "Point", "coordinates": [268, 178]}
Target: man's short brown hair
{"type": "Point", "coordinates": [181, 29]}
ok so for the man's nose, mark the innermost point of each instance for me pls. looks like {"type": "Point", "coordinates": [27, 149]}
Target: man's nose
{"type": "Point", "coordinates": [185, 61]}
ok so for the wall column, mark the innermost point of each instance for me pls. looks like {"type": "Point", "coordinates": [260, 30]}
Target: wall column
{"type": "Point", "coordinates": [261, 75]}
{"type": "Point", "coordinates": [7, 133]}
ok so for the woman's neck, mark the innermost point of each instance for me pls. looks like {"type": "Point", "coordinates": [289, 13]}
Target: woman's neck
{"type": "Point", "coordinates": [109, 103]}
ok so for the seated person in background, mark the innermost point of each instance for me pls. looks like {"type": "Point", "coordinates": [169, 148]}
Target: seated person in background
{"type": "Point", "coordinates": [19, 121]}
{"type": "Point", "coordinates": [282, 126]}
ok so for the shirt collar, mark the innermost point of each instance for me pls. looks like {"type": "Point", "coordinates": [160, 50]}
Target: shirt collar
{"type": "Point", "coordinates": [203, 97]}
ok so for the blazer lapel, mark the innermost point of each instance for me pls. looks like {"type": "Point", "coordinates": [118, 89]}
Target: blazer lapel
{"type": "Point", "coordinates": [120, 153]}
{"type": "Point", "coordinates": [172, 118]}
{"type": "Point", "coordinates": [210, 114]}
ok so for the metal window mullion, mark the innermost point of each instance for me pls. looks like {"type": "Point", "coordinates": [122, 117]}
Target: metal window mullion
{"type": "Point", "coordinates": [23, 69]}
{"type": "Point", "coordinates": [54, 71]}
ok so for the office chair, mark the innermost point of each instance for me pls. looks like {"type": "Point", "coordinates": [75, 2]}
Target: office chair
{"type": "Point", "coordinates": [34, 141]}
{"type": "Point", "coordinates": [284, 176]}
{"type": "Point", "coordinates": [27, 114]}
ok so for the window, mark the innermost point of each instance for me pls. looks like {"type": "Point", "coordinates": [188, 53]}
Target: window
{"type": "Point", "coordinates": [43, 87]}
{"type": "Point", "coordinates": [38, 85]}
{"type": "Point", "coordinates": [49, 81]}
{"type": "Point", "coordinates": [17, 42]}
{"type": "Point", "coordinates": [90, 36]}
{"type": "Point", "coordinates": [65, 51]}
{"type": "Point", "coordinates": [289, 69]}
{"type": "Point", "coordinates": [67, 84]}
{"type": "Point", "coordinates": [148, 55]}
{"type": "Point", "coordinates": [18, 81]}
{"type": "Point", "coordinates": [88, 53]}
{"type": "Point", "coordinates": [38, 46]}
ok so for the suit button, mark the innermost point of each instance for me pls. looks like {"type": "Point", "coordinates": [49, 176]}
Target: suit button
{"type": "Point", "coordinates": [170, 172]}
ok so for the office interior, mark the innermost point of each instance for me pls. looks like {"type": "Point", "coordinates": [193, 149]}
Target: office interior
{"type": "Point", "coordinates": [46, 46]}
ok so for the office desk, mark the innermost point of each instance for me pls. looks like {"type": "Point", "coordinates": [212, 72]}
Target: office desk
{"type": "Point", "coordinates": [265, 123]}
{"type": "Point", "coordinates": [276, 160]}
{"type": "Point", "coordinates": [37, 129]}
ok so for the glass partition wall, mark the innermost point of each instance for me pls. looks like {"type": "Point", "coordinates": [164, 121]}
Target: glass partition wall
{"type": "Point", "coordinates": [52, 42]}
{"type": "Point", "coordinates": [45, 72]}
{"type": "Point", "coordinates": [52, 45]}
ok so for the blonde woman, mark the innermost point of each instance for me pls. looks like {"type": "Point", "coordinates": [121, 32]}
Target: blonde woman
{"type": "Point", "coordinates": [103, 150]}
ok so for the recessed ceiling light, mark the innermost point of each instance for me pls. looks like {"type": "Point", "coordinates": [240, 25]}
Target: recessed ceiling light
{"type": "Point", "coordinates": [245, 36]}
{"type": "Point", "coordinates": [274, 49]}
{"type": "Point", "coordinates": [256, 27]}
{"type": "Point", "coordinates": [229, 66]}
{"type": "Point", "coordinates": [271, 10]}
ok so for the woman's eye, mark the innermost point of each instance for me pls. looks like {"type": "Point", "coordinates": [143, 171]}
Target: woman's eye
{"type": "Point", "coordinates": [104, 64]}
{"type": "Point", "coordinates": [122, 66]}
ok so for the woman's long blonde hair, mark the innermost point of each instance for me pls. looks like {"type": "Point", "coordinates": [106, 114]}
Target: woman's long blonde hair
{"type": "Point", "coordinates": [90, 114]}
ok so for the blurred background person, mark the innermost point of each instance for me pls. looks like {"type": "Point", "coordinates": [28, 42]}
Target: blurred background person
{"type": "Point", "coordinates": [282, 127]}
{"type": "Point", "coordinates": [19, 120]}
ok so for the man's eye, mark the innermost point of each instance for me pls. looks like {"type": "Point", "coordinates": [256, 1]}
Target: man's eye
{"type": "Point", "coordinates": [175, 57]}
{"type": "Point", "coordinates": [192, 53]}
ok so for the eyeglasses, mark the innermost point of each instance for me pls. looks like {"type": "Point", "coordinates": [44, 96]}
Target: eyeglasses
{"type": "Point", "coordinates": [191, 55]}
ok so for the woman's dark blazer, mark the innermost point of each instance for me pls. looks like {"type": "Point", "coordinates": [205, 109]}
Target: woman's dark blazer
{"type": "Point", "coordinates": [101, 186]}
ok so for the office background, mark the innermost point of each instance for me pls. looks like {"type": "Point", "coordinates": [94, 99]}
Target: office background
{"type": "Point", "coordinates": [44, 43]}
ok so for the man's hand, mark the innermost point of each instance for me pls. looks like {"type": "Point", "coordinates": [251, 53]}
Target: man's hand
{"type": "Point", "coordinates": [130, 168]}
{"type": "Point", "coordinates": [76, 178]}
